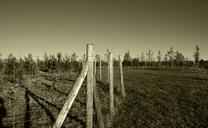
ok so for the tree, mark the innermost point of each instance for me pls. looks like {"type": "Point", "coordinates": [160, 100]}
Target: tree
{"type": "Point", "coordinates": [75, 64]}
{"type": "Point", "coordinates": [127, 59]}
{"type": "Point", "coordinates": [45, 66]}
{"type": "Point", "coordinates": [59, 57]}
{"type": "Point", "coordinates": [201, 64]}
{"type": "Point", "coordinates": [52, 63]}
{"type": "Point", "coordinates": [11, 65]}
{"type": "Point", "coordinates": [179, 58]}
{"type": "Point", "coordinates": [29, 64]}
{"type": "Point", "coordinates": [38, 64]}
{"type": "Point", "coordinates": [171, 54]}
{"type": "Point", "coordinates": [149, 56]}
{"type": "Point", "coordinates": [159, 57]}
{"type": "Point", "coordinates": [142, 58]}
{"type": "Point", "coordinates": [135, 62]}
{"type": "Point", "coordinates": [74, 57]}
{"type": "Point", "coordinates": [67, 63]}
{"type": "Point", "coordinates": [196, 56]}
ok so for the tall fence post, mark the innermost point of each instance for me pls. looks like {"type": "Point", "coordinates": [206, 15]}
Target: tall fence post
{"type": "Point", "coordinates": [100, 66]}
{"type": "Point", "coordinates": [90, 81]}
{"type": "Point", "coordinates": [95, 69]}
{"type": "Point", "coordinates": [121, 76]}
{"type": "Point", "coordinates": [108, 61]}
{"type": "Point", "coordinates": [111, 90]}
{"type": "Point", "coordinates": [97, 102]}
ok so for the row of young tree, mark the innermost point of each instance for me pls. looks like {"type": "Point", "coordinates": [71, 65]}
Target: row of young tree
{"type": "Point", "coordinates": [58, 63]}
{"type": "Point", "coordinates": [170, 59]}
{"type": "Point", "coordinates": [13, 67]}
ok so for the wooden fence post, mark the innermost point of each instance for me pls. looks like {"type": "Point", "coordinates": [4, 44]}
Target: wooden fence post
{"type": "Point", "coordinates": [100, 66]}
{"type": "Point", "coordinates": [97, 101]}
{"type": "Point", "coordinates": [94, 68]}
{"type": "Point", "coordinates": [90, 82]}
{"type": "Point", "coordinates": [121, 75]}
{"type": "Point", "coordinates": [111, 90]}
{"type": "Point", "coordinates": [108, 61]}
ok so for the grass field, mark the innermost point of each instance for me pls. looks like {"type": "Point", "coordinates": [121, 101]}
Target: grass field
{"type": "Point", "coordinates": [40, 98]}
{"type": "Point", "coordinates": [164, 99]}
{"type": "Point", "coordinates": [155, 99]}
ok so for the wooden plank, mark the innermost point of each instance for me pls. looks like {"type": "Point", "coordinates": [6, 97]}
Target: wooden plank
{"type": "Point", "coordinates": [90, 82]}
{"type": "Point", "coordinates": [121, 76]}
{"type": "Point", "coordinates": [70, 99]}
{"type": "Point", "coordinates": [97, 102]}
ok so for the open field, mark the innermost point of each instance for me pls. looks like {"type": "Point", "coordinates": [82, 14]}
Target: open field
{"type": "Point", "coordinates": [162, 98]}
{"type": "Point", "coordinates": [155, 98]}
{"type": "Point", "coordinates": [40, 98]}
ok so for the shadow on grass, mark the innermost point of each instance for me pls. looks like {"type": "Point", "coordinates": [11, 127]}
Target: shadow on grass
{"type": "Point", "coordinates": [38, 99]}
{"type": "Point", "coordinates": [27, 110]}
{"type": "Point", "coordinates": [2, 112]}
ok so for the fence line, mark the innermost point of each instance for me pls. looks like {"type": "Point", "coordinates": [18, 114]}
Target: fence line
{"type": "Point", "coordinates": [89, 70]}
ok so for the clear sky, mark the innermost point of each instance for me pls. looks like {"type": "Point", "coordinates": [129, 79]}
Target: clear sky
{"type": "Point", "coordinates": [38, 26]}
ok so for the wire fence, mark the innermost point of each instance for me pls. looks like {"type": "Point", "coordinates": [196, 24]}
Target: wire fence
{"type": "Point", "coordinates": [37, 89]}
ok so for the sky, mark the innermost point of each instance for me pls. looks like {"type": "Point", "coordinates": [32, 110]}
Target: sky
{"type": "Point", "coordinates": [39, 26]}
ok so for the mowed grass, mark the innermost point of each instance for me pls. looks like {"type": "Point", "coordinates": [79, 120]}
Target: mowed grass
{"type": "Point", "coordinates": [164, 99]}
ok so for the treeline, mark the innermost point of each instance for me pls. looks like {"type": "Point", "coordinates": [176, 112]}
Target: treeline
{"type": "Point", "coordinates": [171, 58]}
{"type": "Point", "coordinates": [13, 67]}
{"type": "Point", "coordinates": [57, 63]}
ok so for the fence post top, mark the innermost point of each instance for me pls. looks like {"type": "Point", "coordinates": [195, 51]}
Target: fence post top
{"type": "Point", "coordinates": [90, 44]}
{"type": "Point", "coordinates": [111, 55]}
{"type": "Point", "coordinates": [90, 50]}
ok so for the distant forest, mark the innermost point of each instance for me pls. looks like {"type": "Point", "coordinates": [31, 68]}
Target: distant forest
{"type": "Point", "coordinates": [11, 66]}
